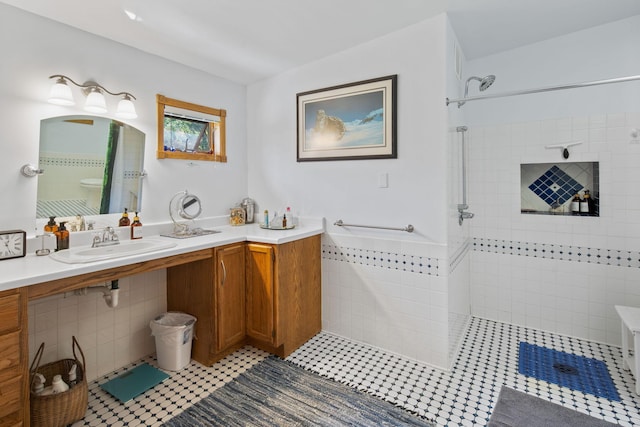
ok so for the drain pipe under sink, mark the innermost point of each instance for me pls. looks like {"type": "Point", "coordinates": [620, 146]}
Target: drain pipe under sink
{"type": "Point", "coordinates": [110, 292]}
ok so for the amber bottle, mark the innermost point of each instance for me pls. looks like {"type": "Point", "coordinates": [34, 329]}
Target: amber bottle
{"type": "Point", "coordinates": [124, 221]}
{"type": "Point", "coordinates": [136, 227]}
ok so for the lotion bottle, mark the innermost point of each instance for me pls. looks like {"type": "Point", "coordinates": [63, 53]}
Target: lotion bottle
{"type": "Point", "coordinates": [62, 237]}
{"type": "Point", "coordinates": [124, 221]}
{"type": "Point", "coordinates": [136, 228]}
{"type": "Point", "coordinates": [51, 226]}
{"type": "Point", "coordinates": [584, 204]}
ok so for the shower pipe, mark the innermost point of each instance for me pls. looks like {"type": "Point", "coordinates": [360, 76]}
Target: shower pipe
{"type": "Point", "coordinates": [462, 207]}
{"type": "Point", "coordinates": [461, 101]}
{"type": "Point", "coordinates": [409, 228]}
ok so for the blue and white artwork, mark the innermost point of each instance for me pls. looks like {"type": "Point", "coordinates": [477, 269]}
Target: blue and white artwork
{"type": "Point", "coordinates": [345, 122]}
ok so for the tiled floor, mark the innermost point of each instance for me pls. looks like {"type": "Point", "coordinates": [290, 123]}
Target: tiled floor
{"type": "Point", "coordinates": [462, 397]}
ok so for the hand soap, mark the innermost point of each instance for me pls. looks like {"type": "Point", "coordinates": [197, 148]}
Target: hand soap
{"type": "Point", "coordinates": [124, 221]}
{"type": "Point", "coordinates": [136, 228]}
{"type": "Point", "coordinates": [51, 226]}
{"type": "Point", "coordinates": [62, 237]}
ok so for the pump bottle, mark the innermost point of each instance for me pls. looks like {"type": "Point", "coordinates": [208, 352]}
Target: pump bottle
{"type": "Point", "coordinates": [136, 228]}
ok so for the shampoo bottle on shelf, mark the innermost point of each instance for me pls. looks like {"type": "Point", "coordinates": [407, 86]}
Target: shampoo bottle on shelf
{"type": "Point", "coordinates": [575, 204]}
{"type": "Point", "coordinates": [136, 228]}
{"type": "Point", "coordinates": [124, 221]}
{"type": "Point", "coordinates": [585, 204]}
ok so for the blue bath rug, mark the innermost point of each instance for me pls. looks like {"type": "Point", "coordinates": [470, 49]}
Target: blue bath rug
{"type": "Point", "coordinates": [567, 370]}
{"type": "Point", "coordinates": [134, 382]}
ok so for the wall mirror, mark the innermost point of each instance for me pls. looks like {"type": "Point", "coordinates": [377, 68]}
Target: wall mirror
{"type": "Point", "coordinates": [92, 165]}
{"type": "Point", "coordinates": [190, 131]}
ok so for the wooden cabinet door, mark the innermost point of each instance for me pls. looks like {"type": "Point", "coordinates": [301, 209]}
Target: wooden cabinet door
{"type": "Point", "coordinates": [260, 292]}
{"type": "Point", "coordinates": [230, 292]}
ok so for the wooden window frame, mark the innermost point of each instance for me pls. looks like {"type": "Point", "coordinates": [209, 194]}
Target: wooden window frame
{"type": "Point", "coordinates": [218, 154]}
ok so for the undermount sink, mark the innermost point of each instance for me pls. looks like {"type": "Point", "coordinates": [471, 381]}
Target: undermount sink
{"type": "Point", "coordinates": [83, 254]}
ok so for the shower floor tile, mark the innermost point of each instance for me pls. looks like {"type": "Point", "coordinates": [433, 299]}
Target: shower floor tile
{"type": "Point", "coordinates": [463, 396]}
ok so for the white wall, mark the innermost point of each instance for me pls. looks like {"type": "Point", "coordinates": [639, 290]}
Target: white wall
{"type": "Point", "coordinates": [570, 290]}
{"type": "Point", "coordinates": [46, 48]}
{"type": "Point", "coordinates": [35, 48]}
{"type": "Point", "coordinates": [371, 292]}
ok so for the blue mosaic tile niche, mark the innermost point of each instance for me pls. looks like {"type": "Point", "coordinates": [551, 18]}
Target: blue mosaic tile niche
{"type": "Point", "coordinates": [555, 186]}
{"type": "Point", "coordinates": [548, 188]}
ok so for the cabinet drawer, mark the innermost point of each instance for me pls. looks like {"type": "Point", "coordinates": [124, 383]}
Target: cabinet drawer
{"type": "Point", "coordinates": [9, 351]}
{"type": "Point", "coordinates": [10, 392]}
{"type": "Point", "coordinates": [9, 312]}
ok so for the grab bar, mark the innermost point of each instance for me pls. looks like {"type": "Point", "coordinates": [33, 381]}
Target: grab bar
{"type": "Point", "coordinates": [408, 228]}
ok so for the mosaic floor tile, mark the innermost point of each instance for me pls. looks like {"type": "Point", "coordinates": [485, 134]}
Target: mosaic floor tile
{"type": "Point", "coordinates": [463, 396]}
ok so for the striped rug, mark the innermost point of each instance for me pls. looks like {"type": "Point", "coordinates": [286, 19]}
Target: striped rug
{"type": "Point", "coordinates": [278, 393]}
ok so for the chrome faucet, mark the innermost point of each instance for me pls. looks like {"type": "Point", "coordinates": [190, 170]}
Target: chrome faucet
{"type": "Point", "coordinates": [109, 237]}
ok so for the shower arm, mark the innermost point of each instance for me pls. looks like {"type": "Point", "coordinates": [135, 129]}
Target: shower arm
{"type": "Point", "coordinates": [461, 101]}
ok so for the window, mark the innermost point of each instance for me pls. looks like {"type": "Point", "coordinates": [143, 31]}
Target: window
{"type": "Point", "coordinates": [190, 131]}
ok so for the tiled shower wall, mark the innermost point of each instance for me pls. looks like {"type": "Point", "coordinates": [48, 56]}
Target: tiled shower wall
{"type": "Point", "coordinates": [388, 293]}
{"type": "Point", "coordinates": [109, 337]}
{"type": "Point", "coordinates": [558, 273]}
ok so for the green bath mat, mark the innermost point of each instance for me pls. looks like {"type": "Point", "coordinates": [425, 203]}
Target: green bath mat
{"type": "Point", "coordinates": [134, 382]}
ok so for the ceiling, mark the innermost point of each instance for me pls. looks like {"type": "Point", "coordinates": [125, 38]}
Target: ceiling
{"type": "Point", "coordinates": [248, 40]}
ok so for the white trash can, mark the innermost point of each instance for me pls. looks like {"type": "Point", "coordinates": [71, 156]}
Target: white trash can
{"type": "Point", "coordinates": [173, 332]}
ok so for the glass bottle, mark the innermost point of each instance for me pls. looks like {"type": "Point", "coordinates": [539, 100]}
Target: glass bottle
{"type": "Point", "coordinates": [575, 204]}
{"type": "Point", "coordinates": [62, 237]}
{"type": "Point", "coordinates": [585, 203]}
{"type": "Point", "coordinates": [124, 221]}
{"type": "Point", "coordinates": [136, 228]}
{"type": "Point", "coordinates": [51, 226]}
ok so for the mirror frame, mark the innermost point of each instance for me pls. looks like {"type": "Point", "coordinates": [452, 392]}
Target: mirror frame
{"type": "Point", "coordinates": [216, 156]}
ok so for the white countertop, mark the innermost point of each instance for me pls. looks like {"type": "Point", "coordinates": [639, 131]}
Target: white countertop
{"type": "Point", "coordinates": [33, 269]}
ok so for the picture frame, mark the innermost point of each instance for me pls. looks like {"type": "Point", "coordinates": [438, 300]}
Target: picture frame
{"type": "Point", "coordinates": [355, 121]}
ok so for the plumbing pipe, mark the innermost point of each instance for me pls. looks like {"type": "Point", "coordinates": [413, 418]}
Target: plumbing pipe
{"type": "Point", "coordinates": [110, 292]}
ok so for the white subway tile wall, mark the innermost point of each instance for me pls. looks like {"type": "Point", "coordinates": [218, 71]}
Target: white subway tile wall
{"type": "Point", "coordinates": [556, 273]}
{"type": "Point", "coordinates": [109, 337]}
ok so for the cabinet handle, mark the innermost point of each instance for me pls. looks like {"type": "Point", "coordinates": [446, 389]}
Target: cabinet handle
{"type": "Point", "coordinates": [224, 273]}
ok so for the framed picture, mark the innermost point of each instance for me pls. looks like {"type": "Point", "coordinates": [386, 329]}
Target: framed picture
{"type": "Point", "coordinates": [348, 122]}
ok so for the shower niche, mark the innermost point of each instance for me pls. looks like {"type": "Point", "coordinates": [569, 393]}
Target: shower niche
{"type": "Point", "coordinates": [550, 188]}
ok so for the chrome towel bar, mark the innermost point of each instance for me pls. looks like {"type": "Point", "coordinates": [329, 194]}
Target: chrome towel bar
{"type": "Point", "coordinates": [408, 228]}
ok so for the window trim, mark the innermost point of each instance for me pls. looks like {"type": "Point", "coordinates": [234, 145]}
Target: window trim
{"type": "Point", "coordinates": [219, 153]}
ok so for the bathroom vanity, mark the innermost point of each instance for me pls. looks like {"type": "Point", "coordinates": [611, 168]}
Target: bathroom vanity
{"type": "Point", "coordinates": [244, 285]}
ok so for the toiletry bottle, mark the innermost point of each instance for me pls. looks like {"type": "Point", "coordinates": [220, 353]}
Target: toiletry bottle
{"type": "Point", "coordinates": [266, 218]}
{"type": "Point", "coordinates": [58, 386]}
{"type": "Point", "coordinates": [51, 226]}
{"type": "Point", "coordinates": [124, 221]}
{"type": "Point", "coordinates": [575, 204]}
{"type": "Point", "coordinates": [62, 237]}
{"type": "Point", "coordinates": [584, 203]}
{"type": "Point", "coordinates": [38, 383]}
{"type": "Point", "coordinates": [73, 376]}
{"type": "Point", "coordinates": [284, 221]}
{"type": "Point", "coordinates": [136, 228]}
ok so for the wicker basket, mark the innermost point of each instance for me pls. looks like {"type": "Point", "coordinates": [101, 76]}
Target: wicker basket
{"type": "Point", "coordinates": [59, 410]}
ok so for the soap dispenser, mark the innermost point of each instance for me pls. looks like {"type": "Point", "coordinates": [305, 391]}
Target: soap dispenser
{"type": "Point", "coordinates": [124, 221]}
{"type": "Point", "coordinates": [51, 226]}
{"type": "Point", "coordinates": [62, 237]}
{"type": "Point", "coordinates": [136, 228]}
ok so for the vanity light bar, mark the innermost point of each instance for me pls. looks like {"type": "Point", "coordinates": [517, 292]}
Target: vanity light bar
{"type": "Point", "coordinates": [60, 94]}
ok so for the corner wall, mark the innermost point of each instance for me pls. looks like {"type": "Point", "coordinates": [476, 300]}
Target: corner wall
{"type": "Point", "coordinates": [379, 300]}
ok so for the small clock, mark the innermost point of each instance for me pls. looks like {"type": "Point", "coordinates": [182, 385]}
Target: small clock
{"type": "Point", "coordinates": [13, 244]}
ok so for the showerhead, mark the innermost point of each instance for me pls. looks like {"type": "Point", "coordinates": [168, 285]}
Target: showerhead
{"type": "Point", "coordinates": [485, 83]}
